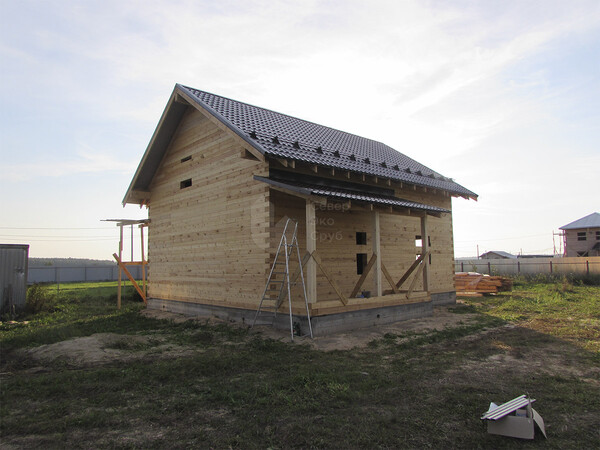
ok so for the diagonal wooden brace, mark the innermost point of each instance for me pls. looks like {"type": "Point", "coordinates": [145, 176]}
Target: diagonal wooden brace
{"type": "Point", "coordinates": [364, 275]}
{"type": "Point", "coordinates": [135, 285]}
{"type": "Point", "coordinates": [419, 271]}
{"type": "Point", "coordinates": [389, 278]}
{"type": "Point", "coordinates": [317, 259]}
{"type": "Point", "coordinates": [410, 270]}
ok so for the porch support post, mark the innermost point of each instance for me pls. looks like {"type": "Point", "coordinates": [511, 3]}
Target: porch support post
{"type": "Point", "coordinates": [424, 250]}
{"type": "Point", "coordinates": [311, 246]}
{"type": "Point", "coordinates": [120, 225]}
{"type": "Point", "coordinates": [377, 286]}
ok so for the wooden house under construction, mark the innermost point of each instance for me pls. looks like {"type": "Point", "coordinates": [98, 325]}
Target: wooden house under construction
{"type": "Point", "coordinates": [219, 178]}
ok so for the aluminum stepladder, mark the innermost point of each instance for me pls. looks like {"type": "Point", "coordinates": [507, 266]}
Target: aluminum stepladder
{"type": "Point", "coordinates": [279, 280]}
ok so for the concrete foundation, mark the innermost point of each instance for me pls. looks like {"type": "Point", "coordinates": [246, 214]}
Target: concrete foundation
{"type": "Point", "coordinates": [321, 325]}
{"type": "Point", "coordinates": [444, 298]}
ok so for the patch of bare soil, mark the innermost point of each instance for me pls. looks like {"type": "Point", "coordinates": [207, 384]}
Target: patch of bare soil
{"type": "Point", "coordinates": [179, 318]}
{"type": "Point", "coordinates": [552, 357]}
{"type": "Point", "coordinates": [103, 348]}
{"type": "Point", "coordinates": [442, 318]}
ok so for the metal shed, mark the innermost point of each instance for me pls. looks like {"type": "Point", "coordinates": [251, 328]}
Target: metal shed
{"type": "Point", "coordinates": [14, 259]}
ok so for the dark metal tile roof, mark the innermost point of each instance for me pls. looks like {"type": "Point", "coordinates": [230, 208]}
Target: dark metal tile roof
{"type": "Point", "coordinates": [282, 136]}
{"type": "Point", "coordinates": [347, 194]}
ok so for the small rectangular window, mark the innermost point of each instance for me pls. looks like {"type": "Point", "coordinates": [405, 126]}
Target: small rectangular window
{"type": "Point", "coordinates": [418, 241]}
{"type": "Point", "coordinates": [598, 235]}
{"type": "Point", "coordinates": [361, 238]}
{"type": "Point", "coordinates": [361, 263]}
{"type": "Point", "coordinates": [187, 158]}
{"type": "Point", "coordinates": [185, 183]}
{"type": "Point", "coordinates": [581, 236]}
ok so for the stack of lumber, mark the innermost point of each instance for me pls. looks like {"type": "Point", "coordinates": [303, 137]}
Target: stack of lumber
{"type": "Point", "coordinates": [475, 284]}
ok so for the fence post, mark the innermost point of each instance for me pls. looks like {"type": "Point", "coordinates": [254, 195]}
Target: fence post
{"type": "Point", "coordinates": [518, 266]}
{"type": "Point", "coordinates": [489, 268]}
{"type": "Point", "coordinates": [462, 266]}
{"type": "Point", "coordinates": [587, 266]}
{"type": "Point", "coordinates": [550, 266]}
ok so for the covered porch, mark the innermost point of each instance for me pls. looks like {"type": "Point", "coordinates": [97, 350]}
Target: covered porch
{"type": "Point", "coordinates": [378, 283]}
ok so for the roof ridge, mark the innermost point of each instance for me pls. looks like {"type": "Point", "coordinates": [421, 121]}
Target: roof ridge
{"type": "Point", "coordinates": [286, 115]}
{"type": "Point", "coordinates": [282, 135]}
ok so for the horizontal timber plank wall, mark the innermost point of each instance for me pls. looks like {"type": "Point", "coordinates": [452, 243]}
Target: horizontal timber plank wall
{"type": "Point", "coordinates": [336, 229]}
{"type": "Point", "coordinates": [209, 242]}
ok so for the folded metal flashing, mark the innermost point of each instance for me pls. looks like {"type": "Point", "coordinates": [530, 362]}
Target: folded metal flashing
{"type": "Point", "coordinates": [521, 424]}
{"type": "Point", "coordinates": [346, 194]}
{"type": "Point", "coordinates": [507, 408]}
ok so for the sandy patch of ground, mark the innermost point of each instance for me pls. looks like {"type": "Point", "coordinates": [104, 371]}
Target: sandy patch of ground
{"type": "Point", "coordinates": [104, 348]}
{"type": "Point", "coordinates": [442, 318]}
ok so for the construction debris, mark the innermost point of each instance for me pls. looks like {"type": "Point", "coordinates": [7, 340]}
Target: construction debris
{"type": "Point", "coordinates": [473, 284]}
{"type": "Point", "coordinates": [515, 418]}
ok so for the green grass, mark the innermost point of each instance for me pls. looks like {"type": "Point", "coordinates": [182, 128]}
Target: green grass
{"type": "Point", "coordinates": [78, 309]}
{"type": "Point", "coordinates": [561, 309]}
{"type": "Point", "coordinates": [195, 384]}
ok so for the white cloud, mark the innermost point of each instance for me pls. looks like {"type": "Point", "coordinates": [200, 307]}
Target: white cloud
{"type": "Point", "coordinates": [84, 162]}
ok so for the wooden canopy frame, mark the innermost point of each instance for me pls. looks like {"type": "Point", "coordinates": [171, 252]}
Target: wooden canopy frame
{"type": "Point", "coordinates": [142, 290]}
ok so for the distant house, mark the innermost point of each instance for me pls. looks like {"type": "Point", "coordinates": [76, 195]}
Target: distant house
{"type": "Point", "coordinates": [497, 254]}
{"type": "Point", "coordinates": [582, 237]}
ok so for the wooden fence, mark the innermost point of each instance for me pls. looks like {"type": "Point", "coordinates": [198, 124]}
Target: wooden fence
{"type": "Point", "coordinates": [531, 266]}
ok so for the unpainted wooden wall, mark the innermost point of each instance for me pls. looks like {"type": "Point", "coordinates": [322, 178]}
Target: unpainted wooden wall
{"type": "Point", "coordinates": [208, 243]}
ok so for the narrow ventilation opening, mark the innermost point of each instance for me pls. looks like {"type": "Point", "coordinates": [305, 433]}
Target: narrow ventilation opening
{"type": "Point", "coordinates": [185, 183]}
{"type": "Point", "coordinates": [187, 158]}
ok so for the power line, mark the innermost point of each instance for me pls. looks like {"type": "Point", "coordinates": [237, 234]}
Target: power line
{"type": "Point", "coordinates": [57, 228]}
{"type": "Point", "coordinates": [503, 239]}
{"type": "Point", "coordinates": [57, 240]}
{"type": "Point", "coordinates": [53, 236]}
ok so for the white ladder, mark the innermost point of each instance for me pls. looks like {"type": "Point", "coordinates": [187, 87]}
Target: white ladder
{"type": "Point", "coordinates": [278, 280]}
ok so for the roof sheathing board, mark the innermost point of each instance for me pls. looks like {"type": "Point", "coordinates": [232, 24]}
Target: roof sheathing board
{"type": "Point", "coordinates": [282, 136]}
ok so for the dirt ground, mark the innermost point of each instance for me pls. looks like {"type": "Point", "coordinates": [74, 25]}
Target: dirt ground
{"type": "Point", "coordinates": [107, 348]}
{"type": "Point", "coordinates": [103, 348]}
{"type": "Point", "coordinates": [442, 318]}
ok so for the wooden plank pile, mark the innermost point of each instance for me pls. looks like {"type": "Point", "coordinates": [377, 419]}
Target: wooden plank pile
{"type": "Point", "coordinates": [473, 284]}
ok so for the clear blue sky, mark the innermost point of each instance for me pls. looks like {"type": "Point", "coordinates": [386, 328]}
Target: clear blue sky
{"type": "Point", "coordinates": [502, 96]}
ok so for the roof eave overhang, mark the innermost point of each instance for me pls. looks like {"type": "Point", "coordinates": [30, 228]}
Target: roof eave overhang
{"type": "Point", "coordinates": [180, 100]}
{"type": "Point", "coordinates": [163, 133]}
{"type": "Point", "coordinates": [455, 193]}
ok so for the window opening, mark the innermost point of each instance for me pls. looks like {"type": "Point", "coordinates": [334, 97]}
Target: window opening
{"type": "Point", "coordinates": [361, 238]}
{"type": "Point", "coordinates": [361, 263]}
{"type": "Point", "coordinates": [185, 183]}
{"type": "Point", "coordinates": [187, 158]}
{"type": "Point", "coordinates": [581, 236]}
